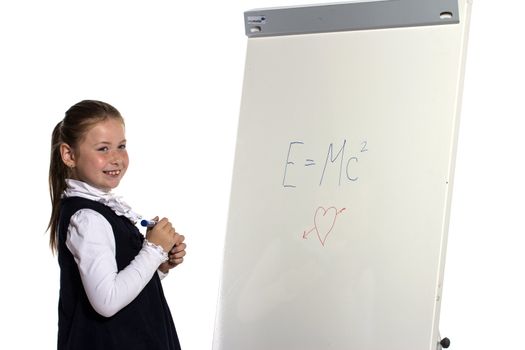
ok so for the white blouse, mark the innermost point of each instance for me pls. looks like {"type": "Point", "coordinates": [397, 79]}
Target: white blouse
{"type": "Point", "coordinates": [90, 239]}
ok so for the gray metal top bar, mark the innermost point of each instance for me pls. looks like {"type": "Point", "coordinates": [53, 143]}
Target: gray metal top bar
{"type": "Point", "coordinates": [336, 17]}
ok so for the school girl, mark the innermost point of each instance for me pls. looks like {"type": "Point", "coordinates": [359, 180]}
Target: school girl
{"type": "Point", "coordinates": [111, 295]}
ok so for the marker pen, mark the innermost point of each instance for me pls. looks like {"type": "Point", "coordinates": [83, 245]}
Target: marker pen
{"type": "Point", "coordinates": [147, 223]}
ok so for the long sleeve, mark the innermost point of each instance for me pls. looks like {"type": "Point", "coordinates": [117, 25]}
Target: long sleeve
{"type": "Point", "coordinates": [90, 239]}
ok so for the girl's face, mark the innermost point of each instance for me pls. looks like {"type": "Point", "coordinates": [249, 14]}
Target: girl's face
{"type": "Point", "coordinates": [100, 159]}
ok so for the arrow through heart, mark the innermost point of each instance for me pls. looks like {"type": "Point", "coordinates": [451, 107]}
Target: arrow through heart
{"type": "Point", "coordinates": [324, 222]}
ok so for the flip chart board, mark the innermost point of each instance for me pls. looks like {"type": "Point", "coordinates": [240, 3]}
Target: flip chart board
{"type": "Point", "coordinates": [343, 174]}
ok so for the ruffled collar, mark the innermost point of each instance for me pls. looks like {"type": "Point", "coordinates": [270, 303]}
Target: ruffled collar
{"type": "Point", "coordinates": [76, 188]}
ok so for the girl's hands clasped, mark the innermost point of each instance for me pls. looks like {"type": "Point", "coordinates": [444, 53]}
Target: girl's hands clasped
{"type": "Point", "coordinates": [163, 234]}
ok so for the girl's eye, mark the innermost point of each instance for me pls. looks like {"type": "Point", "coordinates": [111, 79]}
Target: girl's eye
{"type": "Point", "coordinates": [123, 146]}
{"type": "Point", "coordinates": [103, 149]}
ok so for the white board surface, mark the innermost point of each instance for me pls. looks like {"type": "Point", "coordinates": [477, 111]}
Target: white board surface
{"type": "Point", "coordinates": [341, 190]}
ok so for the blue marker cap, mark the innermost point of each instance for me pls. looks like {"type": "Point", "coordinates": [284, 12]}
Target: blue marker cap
{"type": "Point", "coordinates": [148, 223]}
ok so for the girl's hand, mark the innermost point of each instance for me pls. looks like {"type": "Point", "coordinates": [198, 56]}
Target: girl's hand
{"type": "Point", "coordinates": [162, 234]}
{"type": "Point", "coordinates": [176, 255]}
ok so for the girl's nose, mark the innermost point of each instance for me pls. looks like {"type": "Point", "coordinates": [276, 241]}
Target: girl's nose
{"type": "Point", "coordinates": [116, 159]}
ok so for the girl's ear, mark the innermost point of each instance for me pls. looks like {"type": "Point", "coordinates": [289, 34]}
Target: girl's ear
{"type": "Point", "coordinates": [68, 155]}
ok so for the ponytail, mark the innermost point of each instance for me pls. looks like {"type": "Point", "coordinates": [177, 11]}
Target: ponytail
{"type": "Point", "coordinates": [57, 184]}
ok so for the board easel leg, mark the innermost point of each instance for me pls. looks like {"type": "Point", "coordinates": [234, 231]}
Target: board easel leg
{"type": "Point", "coordinates": [444, 343]}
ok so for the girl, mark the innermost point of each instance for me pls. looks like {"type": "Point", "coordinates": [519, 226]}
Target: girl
{"type": "Point", "coordinates": [110, 291]}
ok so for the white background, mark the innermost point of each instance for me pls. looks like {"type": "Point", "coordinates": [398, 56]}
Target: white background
{"type": "Point", "coordinates": [174, 70]}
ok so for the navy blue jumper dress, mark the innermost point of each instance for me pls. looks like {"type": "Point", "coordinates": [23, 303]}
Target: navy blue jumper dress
{"type": "Point", "coordinates": [145, 324]}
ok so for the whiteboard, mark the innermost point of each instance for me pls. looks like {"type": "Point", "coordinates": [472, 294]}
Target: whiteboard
{"type": "Point", "coordinates": [341, 189]}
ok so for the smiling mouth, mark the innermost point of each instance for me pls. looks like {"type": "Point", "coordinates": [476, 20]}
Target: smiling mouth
{"type": "Point", "coordinates": [112, 172]}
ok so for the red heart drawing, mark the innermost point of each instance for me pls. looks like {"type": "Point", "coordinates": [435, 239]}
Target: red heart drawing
{"type": "Point", "coordinates": [324, 221]}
